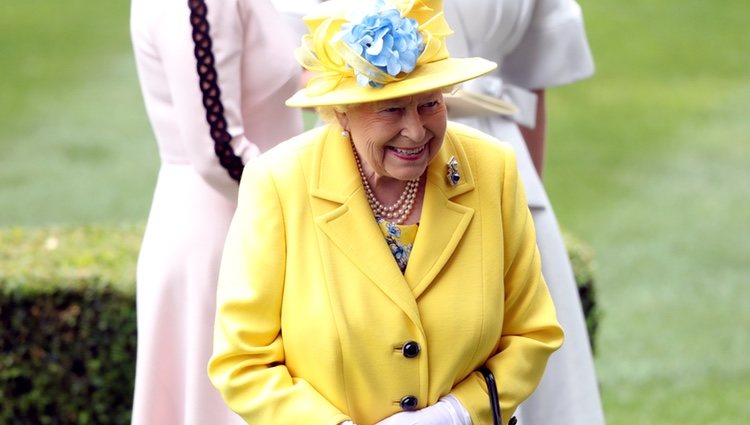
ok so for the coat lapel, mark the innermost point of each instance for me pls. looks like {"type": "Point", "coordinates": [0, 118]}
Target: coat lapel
{"type": "Point", "coordinates": [344, 215]}
{"type": "Point", "coordinates": [346, 219]}
{"type": "Point", "coordinates": [443, 221]}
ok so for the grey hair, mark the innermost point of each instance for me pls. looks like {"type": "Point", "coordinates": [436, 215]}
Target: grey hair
{"type": "Point", "coordinates": [450, 89]}
{"type": "Point", "coordinates": [327, 114]}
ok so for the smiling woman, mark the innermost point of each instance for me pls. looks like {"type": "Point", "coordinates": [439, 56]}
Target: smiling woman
{"type": "Point", "coordinates": [443, 277]}
{"type": "Point", "coordinates": [396, 139]}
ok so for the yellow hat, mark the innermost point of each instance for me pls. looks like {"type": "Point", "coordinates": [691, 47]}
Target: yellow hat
{"type": "Point", "coordinates": [365, 51]}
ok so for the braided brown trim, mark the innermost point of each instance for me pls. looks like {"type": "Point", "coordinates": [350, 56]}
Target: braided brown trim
{"type": "Point", "coordinates": [210, 89]}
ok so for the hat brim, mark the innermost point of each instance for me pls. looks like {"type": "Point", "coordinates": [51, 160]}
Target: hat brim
{"type": "Point", "coordinates": [426, 77]}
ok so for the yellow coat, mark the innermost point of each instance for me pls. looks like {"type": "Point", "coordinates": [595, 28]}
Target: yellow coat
{"type": "Point", "coordinates": [313, 312]}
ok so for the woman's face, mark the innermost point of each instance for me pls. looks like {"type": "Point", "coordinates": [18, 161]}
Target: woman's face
{"type": "Point", "coordinates": [397, 138]}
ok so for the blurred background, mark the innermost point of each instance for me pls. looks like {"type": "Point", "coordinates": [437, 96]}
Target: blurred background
{"type": "Point", "coordinates": [648, 163]}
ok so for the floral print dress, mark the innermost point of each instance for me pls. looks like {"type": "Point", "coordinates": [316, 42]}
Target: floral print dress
{"type": "Point", "coordinates": [400, 240]}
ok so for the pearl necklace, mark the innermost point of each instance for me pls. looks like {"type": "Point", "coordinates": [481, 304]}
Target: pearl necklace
{"type": "Point", "coordinates": [397, 212]}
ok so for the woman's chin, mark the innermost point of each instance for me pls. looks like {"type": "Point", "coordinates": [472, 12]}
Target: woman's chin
{"type": "Point", "coordinates": [407, 173]}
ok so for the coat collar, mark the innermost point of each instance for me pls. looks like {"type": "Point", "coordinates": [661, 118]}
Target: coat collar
{"type": "Point", "coordinates": [345, 217]}
{"type": "Point", "coordinates": [444, 218]}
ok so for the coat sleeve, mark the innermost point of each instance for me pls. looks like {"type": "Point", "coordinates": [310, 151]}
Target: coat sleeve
{"type": "Point", "coordinates": [247, 365]}
{"type": "Point", "coordinates": [554, 49]}
{"type": "Point", "coordinates": [171, 55]}
{"type": "Point", "coordinates": [531, 332]}
{"type": "Point", "coordinates": [241, 33]}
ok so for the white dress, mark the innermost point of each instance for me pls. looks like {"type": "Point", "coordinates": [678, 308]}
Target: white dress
{"type": "Point", "coordinates": [537, 44]}
{"type": "Point", "coordinates": [195, 197]}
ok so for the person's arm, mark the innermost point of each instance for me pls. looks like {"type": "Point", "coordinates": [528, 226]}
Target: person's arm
{"type": "Point", "coordinates": [174, 45]}
{"type": "Point", "coordinates": [531, 332]}
{"type": "Point", "coordinates": [248, 362]}
{"type": "Point", "coordinates": [535, 137]}
{"type": "Point", "coordinates": [553, 51]}
{"type": "Point", "coordinates": [530, 328]}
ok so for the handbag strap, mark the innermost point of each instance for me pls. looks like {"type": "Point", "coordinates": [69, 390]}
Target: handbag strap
{"type": "Point", "coordinates": [489, 379]}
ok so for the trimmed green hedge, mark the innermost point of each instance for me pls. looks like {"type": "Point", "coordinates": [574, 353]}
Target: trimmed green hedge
{"type": "Point", "coordinates": [68, 326]}
{"type": "Point", "coordinates": [582, 261]}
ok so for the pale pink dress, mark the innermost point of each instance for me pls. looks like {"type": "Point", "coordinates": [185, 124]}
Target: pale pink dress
{"type": "Point", "coordinates": [194, 197]}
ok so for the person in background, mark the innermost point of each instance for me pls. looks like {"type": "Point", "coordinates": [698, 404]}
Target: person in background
{"type": "Point", "coordinates": [294, 12]}
{"type": "Point", "coordinates": [214, 87]}
{"type": "Point", "coordinates": [537, 44]}
{"type": "Point", "coordinates": [376, 263]}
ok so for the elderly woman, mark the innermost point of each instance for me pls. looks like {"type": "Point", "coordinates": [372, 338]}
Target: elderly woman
{"type": "Point", "coordinates": [375, 264]}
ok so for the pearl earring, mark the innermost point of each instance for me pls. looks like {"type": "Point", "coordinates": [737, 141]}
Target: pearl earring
{"type": "Point", "coordinates": [344, 134]}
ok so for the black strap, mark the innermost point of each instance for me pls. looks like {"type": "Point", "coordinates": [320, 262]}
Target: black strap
{"type": "Point", "coordinates": [489, 378]}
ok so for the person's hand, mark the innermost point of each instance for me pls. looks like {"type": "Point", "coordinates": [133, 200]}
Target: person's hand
{"type": "Point", "coordinates": [447, 411]}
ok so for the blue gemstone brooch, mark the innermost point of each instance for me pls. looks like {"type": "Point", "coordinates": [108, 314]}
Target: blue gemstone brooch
{"type": "Point", "coordinates": [453, 175]}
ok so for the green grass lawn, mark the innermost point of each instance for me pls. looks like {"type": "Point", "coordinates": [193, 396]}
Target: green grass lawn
{"type": "Point", "coordinates": [648, 162]}
{"type": "Point", "coordinates": [76, 146]}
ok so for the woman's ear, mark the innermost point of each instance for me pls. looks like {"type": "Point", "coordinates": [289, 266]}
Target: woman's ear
{"type": "Point", "coordinates": [343, 120]}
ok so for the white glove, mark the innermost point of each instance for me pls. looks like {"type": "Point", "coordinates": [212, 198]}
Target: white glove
{"type": "Point", "coordinates": [447, 411]}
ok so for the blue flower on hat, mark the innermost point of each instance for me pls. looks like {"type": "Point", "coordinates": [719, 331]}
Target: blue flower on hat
{"type": "Point", "coordinates": [385, 39]}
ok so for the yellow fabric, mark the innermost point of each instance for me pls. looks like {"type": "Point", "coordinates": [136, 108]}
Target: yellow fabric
{"type": "Point", "coordinates": [312, 309]}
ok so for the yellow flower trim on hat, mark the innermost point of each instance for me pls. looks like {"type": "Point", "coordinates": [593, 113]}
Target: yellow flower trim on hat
{"type": "Point", "coordinates": [325, 52]}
